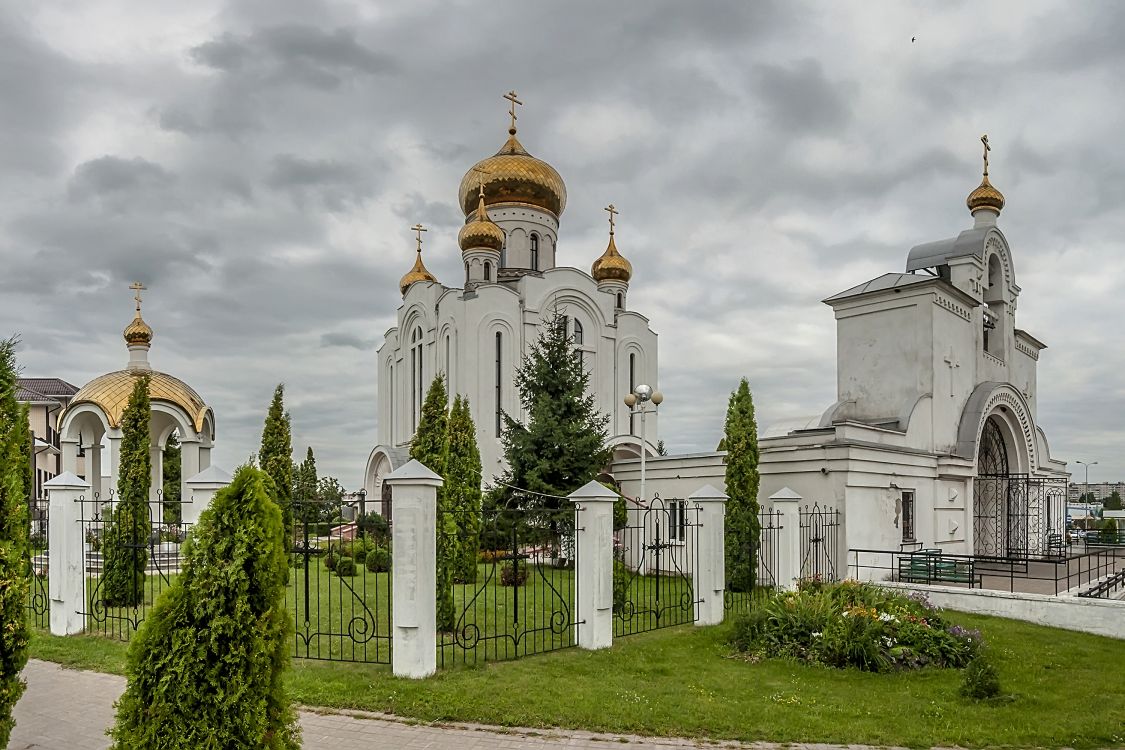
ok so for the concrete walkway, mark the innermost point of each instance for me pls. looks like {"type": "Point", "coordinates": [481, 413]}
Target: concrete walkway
{"type": "Point", "coordinates": [67, 709]}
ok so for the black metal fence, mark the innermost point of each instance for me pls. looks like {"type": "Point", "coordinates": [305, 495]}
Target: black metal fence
{"type": "Point", "coordinates": [1017, 515]}
{"type": "Point", "coordinates": [820, 536]}
{"type": "Point", "coordinates": [511, 582]}
{"type": "Point", "coordinates": [740, 598]}
{"type": "Point", "coordinates": [38, 606]}
{"type": "Point", "coordinates": [655, 556]}
{"type": "Point", "coordinates": [339, 592]}
{"type": "Point", "coordinates": [129, 560]}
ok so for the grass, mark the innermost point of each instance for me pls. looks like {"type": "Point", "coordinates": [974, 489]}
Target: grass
{"type": "Point", "coordinates": [1065, 689]}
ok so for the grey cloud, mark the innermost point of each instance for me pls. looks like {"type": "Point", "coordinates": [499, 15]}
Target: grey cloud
{"type": "Point", "coordinates": [800, 98]}
{"type": "Point", "coordinates": [337, 184]}
{"type": "Point", "coordinates": [347, 340]}
{"type": "Point", "coordinates": [113, 174]}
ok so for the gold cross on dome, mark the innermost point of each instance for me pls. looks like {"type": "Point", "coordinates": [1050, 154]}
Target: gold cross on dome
{"type": "Point", "coordinates": [987, 148]}
{"type": "Point", "coordinates": [418, 228]}
{"type": "Point", "coordinates": [481, 172]}
{"type": "Point", "coordinates": [612, 212]}
{"type": "Point", "coordinates": [511, 96]}
{"type": "Point", "coordinates": [137, 287]}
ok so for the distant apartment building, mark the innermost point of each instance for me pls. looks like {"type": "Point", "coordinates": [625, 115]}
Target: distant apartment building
{"type": "Point", "coordinates": [1100, 490]}
{"type": "Point", "coordinates": [48, 398]}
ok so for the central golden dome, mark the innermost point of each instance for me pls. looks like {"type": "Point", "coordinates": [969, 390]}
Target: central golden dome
{"type": "Point", "coordinates": [514, 176]}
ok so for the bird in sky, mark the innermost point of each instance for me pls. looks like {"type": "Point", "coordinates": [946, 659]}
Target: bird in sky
{"type": "Point", "coordinates": [912, 39]}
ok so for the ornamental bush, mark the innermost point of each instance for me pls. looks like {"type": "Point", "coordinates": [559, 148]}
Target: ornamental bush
{"type": "Point", "coordinates": [379, 560]}
{"type": "Point", "coordinates": [205, 668]}
{"type": "Point", "coordinates": [345, 567]}
{"type": "Point", "coordinates": [124, 539]}
{"type": "Point", "coordinates": [854, 625]}
{"type": "Point", "coordinates": [330, 560]}
{"type": "Point", "coordinates": [509, 576]}
{"type": "Point", "coordinates": [980, 681]}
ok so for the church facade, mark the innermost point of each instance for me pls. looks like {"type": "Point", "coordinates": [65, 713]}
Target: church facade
{"type": "Point", "coordinates": [475, 334]}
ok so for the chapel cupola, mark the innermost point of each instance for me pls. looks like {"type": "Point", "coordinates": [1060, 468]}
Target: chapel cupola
{"type": "Point", "coordinates": [138, 334]}
{"type": "Point", "coordinates": [986, 202]}
{"type": "Point", "coordinates": [612, 270]}
{"type": "Point", "coordinates": [419, 272]}
{"type": "Point", "coordinates": [481, 242]}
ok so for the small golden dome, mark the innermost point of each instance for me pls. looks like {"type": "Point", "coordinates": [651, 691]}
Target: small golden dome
{"type": "Point", "coordinates": [514, 176]}
{"type": "Point", "coordinates": [138, 331]}
{"type": "Point", "coordinates": [480, 232]}
{"type": "Point", "coordinates": [417, 273]}
{"type": "Point", "coordinates": [612, 265]}
{"type": "Point", "coordinates": [110, 392]}
{"type": "Point", "coordinates": [985, 197]}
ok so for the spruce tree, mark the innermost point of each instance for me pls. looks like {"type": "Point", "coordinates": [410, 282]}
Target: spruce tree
{"type": "Point", "coordinates": [743, 528]}
{"type": "Point", "coordinates": [14, 471]}
{"type": "Point", "coordinates": [205, 669]}
{"type": "Point", "coordinates": [276, 456]}
{"type": "Point", "coordinates": [462, 488]}
{"type": "Point", "coordinates": [430, 447]}
{"type": "Point", "coordinates": [305, 499]}
{"type": "Point", "coordinates": [173, 511]}
{"type": "Point", "coordinates": [126, 535]}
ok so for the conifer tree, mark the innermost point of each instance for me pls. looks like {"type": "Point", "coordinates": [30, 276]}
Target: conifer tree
{"type": "Point", "coordinates": [305, 495]}
{"type": "Point", "coordinates": [124, 540]}
{"type": "Point", "coordinates": [742, 525]}
{"type": "Point", "coordinates": [430, 447]}
{"type": "Point", "coordinates": [205, 669]}
{"type": "Point", "coordinates": [14, 471]}
{"type": "Point", "coordinates": [172, 469]}
{"type": "Point", "coordinates": [462, 488]}
{"type": "Point", "coordinates": [276, 456]}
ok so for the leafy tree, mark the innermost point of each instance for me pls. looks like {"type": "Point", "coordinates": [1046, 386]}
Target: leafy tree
{"type": "Point", "coordinates": [276, 455]}
{"type": "Point", "coordinates": [173, 511]}
{"type": "Point", "coordinates": [430, 447]}
{"type": "Point", "coordinates": [205, 669]}
{"type": "Point", "coordinates": [462, 488]}
{"type": "Point", "coordinates": [661, 450]}
{"type": "Point", "coordinates": [124, 540]}
{"type": "Point", "coordinates": [14, 472]}
{"type": "Point", "coordinates": [722, 446]}
{"type": "Point", "coordinates": [742, 525]}
{"type": "Point", "coordinates": [1113, 502]}
{"type": "Point", "coordinates": [1087, 497]}
{"type": "Point", "coordinates": [329, 497]}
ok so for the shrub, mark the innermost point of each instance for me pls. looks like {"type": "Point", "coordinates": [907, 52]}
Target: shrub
{"type": "Point", "coordinates": [509, 577]}
{"type": "Point", "coordinates": [621, 580]}
{"type": "Point", "coordinates": [980, 681]}
{"type": "Point", "coordinates": [379, 560]}
{"type": "Point", "coordinates": [330, 560]}
{"type": "Point", "coordinates": [124, 554]}
{"type": "Point", "coordinates": [345, 567]}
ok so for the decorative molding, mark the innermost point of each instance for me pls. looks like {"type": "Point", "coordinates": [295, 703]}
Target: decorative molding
{"type": "Point", "coordinates": [953, 307]}
{"type": "Point", "coordinates": [1028, 350]}
{"type": "Point", "coordinates": [995, 360]}
{"type": "Point", "coordinates": [1008, 397]}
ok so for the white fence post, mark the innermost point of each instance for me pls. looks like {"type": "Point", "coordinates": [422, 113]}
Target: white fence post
{"type": "Point", "coordinates": [203, 487]}
{"type": "Point", "coordinates": [594, 565]}
{"type": "Point", "coordinates": [787, 503]}
{"type": "Point", "coordinates": [66, 561]}
{"type": "Point", "coordinates": [414, 569]}
{"type": "Point", "coordinates": [709, 578]}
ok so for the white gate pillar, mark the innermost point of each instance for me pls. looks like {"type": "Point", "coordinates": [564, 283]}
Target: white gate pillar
{"type": "Point", "coordinates": [414, 570]}
{"type": "Point", "coordinates": [201, 489]}
{"type": "Point", "coordinates": [66, 563]}
{"type": "Point", "coordinates": [787, 503]}
{"type": "Point", "coordinates": [709, 573]}
{"type": "Point", "coordinates": [593, 566]}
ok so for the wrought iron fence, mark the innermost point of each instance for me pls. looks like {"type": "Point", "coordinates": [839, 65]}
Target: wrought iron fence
{"type": "Point", "coordinates": [511, 581]}
{"type": "Point", "coordinates": [339, 592]}
{"type": "Point", "coordinates": [129, 560]}
{"type": "Point", "coordinates": [740, 598]}
{"type": "Point", "coordinates": [820, 533]}
{"type": "Point", "coordinates": [1018, 515]}
{"type": "Point", "coordinates": [38, 606]}
{"type": "Point", "coordinates": [655, 555]}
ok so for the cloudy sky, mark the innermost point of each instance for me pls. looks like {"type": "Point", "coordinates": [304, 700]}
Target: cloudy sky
{"type": "Point", "coordinates": [257, 164]}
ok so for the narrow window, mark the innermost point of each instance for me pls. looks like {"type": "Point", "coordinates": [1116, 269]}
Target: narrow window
{"type": "Point", "coordinates": [448, 368]}
{"type": "Point", "coordinates": [632, 387]}
{"type": "Point", "coordinates": [578, 332]}
{"type": "Point", "coordinates": [487, 271]}
{"type": "Point", "coordinates": [416, 374]}
{"type": "Point", "coordinates": [499, 376]}
{"type": "Point", "coordinates": [391, 399]}
{"type": "Point", "coordinates": [620, 300]}
{"type": "Point", "coordinates": [677, 520]}
{"type": "Point", "coordinates": [534, 252]}
{"type": "Point", "coordinates": [908, 516]}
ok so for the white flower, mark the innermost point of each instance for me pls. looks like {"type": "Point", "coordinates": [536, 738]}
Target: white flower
{"type": "Point", "coordinates": [887, 617]}
{"type": "Point", "coordinates": [816, 635]}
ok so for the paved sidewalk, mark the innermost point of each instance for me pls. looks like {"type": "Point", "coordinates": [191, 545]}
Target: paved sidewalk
{"type": "Point", "coordinates": [66, 709]}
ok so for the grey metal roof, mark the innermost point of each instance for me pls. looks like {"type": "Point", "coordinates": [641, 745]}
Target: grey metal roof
{"type": "Point", "coordinates": [930, 254]}
{"type": "Point", "coordinates": [25, 395]}
{"type": "Point", "coordinates": [882, 283]}
{"type": "Point", "coordinates": [49, 386]}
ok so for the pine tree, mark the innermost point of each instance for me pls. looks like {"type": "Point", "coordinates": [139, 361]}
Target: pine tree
{"type": "Point", "coordinates": [124, 551]}
{"type": "Point", "coordinates": [276, 456]}
{"type": "Point", "coordinates": [205, 669]}
{"type": "Point", "coordinates": [173, 511]}
{"type": "Point", "coordinates": [742, 525]}
{"type": "Point", "coordinates": [462, 488]}
{"type": "Point", "coordinates": [305, 499]}
{"type": "Point", "coordinates": [14, 471]}
{"type": "Point", "coordinates": [430, 447]}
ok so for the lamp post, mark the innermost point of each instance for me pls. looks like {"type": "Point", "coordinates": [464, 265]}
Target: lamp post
{"type": "Point", "coordinates": [638, 402]}
{"type": "Point", "coordinates": [362, 493]}
{"type": "Point", "coordinates": [1086, 484]}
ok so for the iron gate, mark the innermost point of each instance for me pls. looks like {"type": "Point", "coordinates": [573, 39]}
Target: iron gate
{"type": "Point", "coordinates": [820, 533]}
{"type": "Point", "coordinates": [766, 550]}
{"type": "Point", "coordinates": [1016, 515]}
{"type": "Point", "coordinates": [38, 607]}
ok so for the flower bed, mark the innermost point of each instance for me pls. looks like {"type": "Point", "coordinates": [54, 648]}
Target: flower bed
{"type": "Point", "coordinates": [856, 625]}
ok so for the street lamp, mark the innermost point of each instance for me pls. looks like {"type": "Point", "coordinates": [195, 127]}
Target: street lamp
{"type": "Point", "coordinates": [638, 402]}
{"type": "Point", "coordinates": [362, 507]}
{"type": "Point", "coordinates": [1086, 492]}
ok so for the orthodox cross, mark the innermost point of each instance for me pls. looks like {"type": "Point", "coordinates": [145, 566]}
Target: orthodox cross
{"type": "Point", "coordinates": [951, 362]}
{"type": "Point", "coordinates": [419, 229]}
{"type": "Point", "coordinates": [137, 287]}
{"type": "Point", "coordinates": [612, 212]}
{"type": "Point", "coordinates": [987, 148]}
{"type": "Point", "coordinates": [511, 96]}
{"type": "Point", "coordinates": [481, 172]}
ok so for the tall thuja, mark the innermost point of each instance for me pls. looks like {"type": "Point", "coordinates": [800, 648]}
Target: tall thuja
{"type": "Point", "coordinates": [306, 507]}
{"type": "Point", "coordinates": [205, 669]}
{"type": "Point", "coordinates": [276, 456]}
{"type": "Point", "coordinates": [743, 528]}
{"type": "Point", "coordinates": [462, 488]}
{"type": "Point", "coordinates": [173, 472]}
{"type": "Point", "coordinates": [13, 540]}
{"type": "Point", "coordinates": [429, 446]}
{"type": "Point", "coordinates": [126, 535]}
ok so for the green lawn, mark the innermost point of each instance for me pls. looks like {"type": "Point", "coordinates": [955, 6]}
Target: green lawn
{"type": "Point", "coordinates": [1066, 689]}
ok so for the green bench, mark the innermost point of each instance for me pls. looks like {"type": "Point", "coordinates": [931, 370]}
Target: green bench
{"type": "Point", "coordinates": [928, 566]}
{"type": "Point", "coordinates": [1056, 545]}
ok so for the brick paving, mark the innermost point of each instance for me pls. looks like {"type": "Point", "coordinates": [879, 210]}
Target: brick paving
{"type": "Point", "coordinates": [67, 709]}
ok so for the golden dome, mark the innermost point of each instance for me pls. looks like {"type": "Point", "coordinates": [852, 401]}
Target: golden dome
{"type": "Point", "coordinates": [138, 331]}
{"type": "Point", "coordinates": [514, 176]}
{"type": "Point", "coordinates": [985, 197]}
{"type": "Point", "coordinates": [417, 273]}
{"type": "Point", "coordinates": [480, 232]}
{"type": "Point", "coordinates": [612, 265]}
{"type": "Point", "coordinates": [111, 393]}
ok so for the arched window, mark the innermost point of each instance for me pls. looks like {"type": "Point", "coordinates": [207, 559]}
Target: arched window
{"type": "Point", "coordinates": [504, 252]}
{"type": "Point", "coordinates": [632, 387]}
{"type": "Point", "coordinates": [416, 375]}
{"type": "Point", "coordinates": [487, 271]}
{"type": "Point", "coordinates": [993, 337]}
{"type": "Point", "coordinates": [499, 379]}
{"type": "Point", "coordinates": [448, 367]}
{"type": "Point", "coordinates": [534, 251]}
{"type": "Point", "coordinates": [620, 300]}
{"type": "Point", "coordinates": [578, 332]}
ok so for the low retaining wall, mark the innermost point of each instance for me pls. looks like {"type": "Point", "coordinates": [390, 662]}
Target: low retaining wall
{"type": "Point", "coordinates": [1097, 616]}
